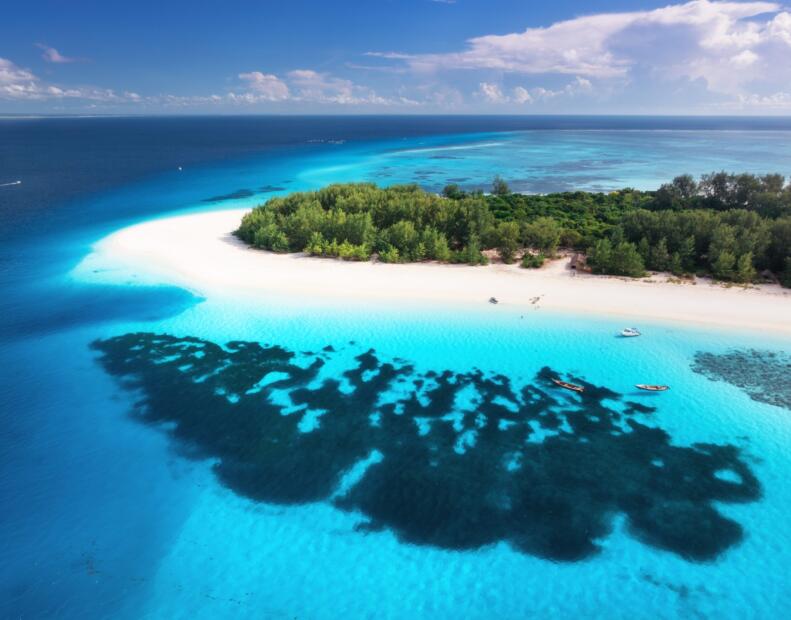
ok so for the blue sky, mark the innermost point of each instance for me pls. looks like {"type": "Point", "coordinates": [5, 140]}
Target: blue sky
{"type": "Point", "coordinates": [396, 56]}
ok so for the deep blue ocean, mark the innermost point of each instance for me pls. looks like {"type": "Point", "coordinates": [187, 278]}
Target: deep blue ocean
{"type": "Point", "coordinates": [167, 456]}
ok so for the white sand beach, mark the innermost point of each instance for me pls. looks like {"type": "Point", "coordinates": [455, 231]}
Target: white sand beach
{"type": "Point", "coordinates": [199, 252]}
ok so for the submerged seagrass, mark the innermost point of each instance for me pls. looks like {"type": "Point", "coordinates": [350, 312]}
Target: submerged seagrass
{"type": "Point", "coordinates": [764, 375]}
{"type": "Point", "coordinates": [456, 460]}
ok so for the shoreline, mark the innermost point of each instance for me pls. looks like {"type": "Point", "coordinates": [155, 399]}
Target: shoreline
{"type": "Point", "coordinates": [198, 252]}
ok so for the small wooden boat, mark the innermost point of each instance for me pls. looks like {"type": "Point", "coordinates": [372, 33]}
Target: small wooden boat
{"type": "Point", "coordinates": [652, 388]}
{"type": "Point", "coordinates": [630, 332]}
{"type": "Point", "coordinates": [493, 300]}
{"type": "Point", "coordinates": [568, 386]}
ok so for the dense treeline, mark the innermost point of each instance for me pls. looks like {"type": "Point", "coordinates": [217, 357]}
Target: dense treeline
{"type": "Point", "coordinates": [353, 221]}
{"type": "Point", "coordinates": [734, 227]}
{"type": "Point", "coordinates": [766, 195]}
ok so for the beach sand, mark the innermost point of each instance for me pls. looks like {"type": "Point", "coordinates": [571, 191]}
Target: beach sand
{"type": "Point", "coordinates": [199, 252]}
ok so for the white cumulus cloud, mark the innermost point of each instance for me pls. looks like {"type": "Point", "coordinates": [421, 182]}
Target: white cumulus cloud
{"type": "Point", "coordinates": [15, 82]}
{"type": "Point", "coordinates": [265, 86]}
{"type": "Point", "coordinates": [493, 93]}
{"type": "Point", "coordinates": [309, 86]}
{"type": "Point", "coordinates": [734, 48]}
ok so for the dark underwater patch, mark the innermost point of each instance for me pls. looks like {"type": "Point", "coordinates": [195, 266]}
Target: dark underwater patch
{"type": "Point", "coordinates": [92, 304]}
{"type": "Point", "coordinates": [239, 193]}
{"type": "Point", "coordinates": [764, 376]}
{"type": "Point", "coordinates": [455, 460]}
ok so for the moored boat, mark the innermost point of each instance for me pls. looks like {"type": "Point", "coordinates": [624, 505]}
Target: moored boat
{"type": "Point", "coordinates": [569, 386]}
{"type": "Point", "coordinates": [652, 388]}
{"type": "Point", "coordinates": [630, 332]}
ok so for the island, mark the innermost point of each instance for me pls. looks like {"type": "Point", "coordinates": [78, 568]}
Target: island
{"type": "Point", "coordinates": [735, 228]}
{"type": "Point", "coordinates": [361, 246]}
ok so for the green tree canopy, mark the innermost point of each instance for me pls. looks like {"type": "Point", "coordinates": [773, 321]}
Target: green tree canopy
{"type": "Point", "coordinates": [732, 226]}
{"type": "Point", "coordinates": [500, 187]}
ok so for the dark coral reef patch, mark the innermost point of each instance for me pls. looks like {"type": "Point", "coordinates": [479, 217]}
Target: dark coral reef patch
{"type": "Point", "coordinates": [764, 375]}
{"type": "Point", "coordinates": [455, 460]}
{"type": "Point", "coordinates": [239, 193]}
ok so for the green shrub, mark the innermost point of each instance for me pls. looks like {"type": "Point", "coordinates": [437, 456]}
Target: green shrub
{"type": "Point", "coordinates": [507, 241]}
{"type": "Point", "coordinates": [532, 261]}
{"type": "Point", "coordinates": [390, 255]}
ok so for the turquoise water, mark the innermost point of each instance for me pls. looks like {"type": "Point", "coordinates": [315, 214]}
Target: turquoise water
{"type": "Point", "coordinates": [541, 161]}
{"type": "Point", "coordinates": [309, 560]}
{"type": "Point", "coordinates": [495, 496]}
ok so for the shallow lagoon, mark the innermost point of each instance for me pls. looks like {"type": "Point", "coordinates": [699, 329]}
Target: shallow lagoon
{"type": "Point", "coordinates": [106, 515]}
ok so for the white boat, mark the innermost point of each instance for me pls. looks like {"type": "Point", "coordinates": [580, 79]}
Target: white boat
{"type": "Point", "coordinates": [630, 332]}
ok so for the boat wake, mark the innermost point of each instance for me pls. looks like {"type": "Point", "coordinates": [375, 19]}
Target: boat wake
{"type": "Point", "coordinates": [11, 183]}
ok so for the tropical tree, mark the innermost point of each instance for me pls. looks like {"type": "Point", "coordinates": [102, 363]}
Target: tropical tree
{"type": "Point", "coordinates": [500, 187]}
{"type": "Point", "coordinates": [543, 233]}
{"type": "Point", "coordinates": [660, 257]}
{"type": "Point", "coordinates": [507, 241]}
{"type": "Point", "coordinates": [745, 272]}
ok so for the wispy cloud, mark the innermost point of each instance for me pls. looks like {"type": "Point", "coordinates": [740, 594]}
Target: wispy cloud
{"type": "Point", "coordinates": [589, 45]}
{"type": "Point", "coordinates": [302, 86]}
{"type": "Point", "coordinates": [50, 54]}
{"type": "Point", "coordinates": [309, 86]}
{"type": "Point", "coordinates": [21, 84]}
{"type": "Point", "coordinates": [727, 45]}
{"type": "Point", "coordinates": [321, 87]}
{"type": "Point", "coordinates": [494, 93]}
{"type": "Point", "coordinates": [779, 101]}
